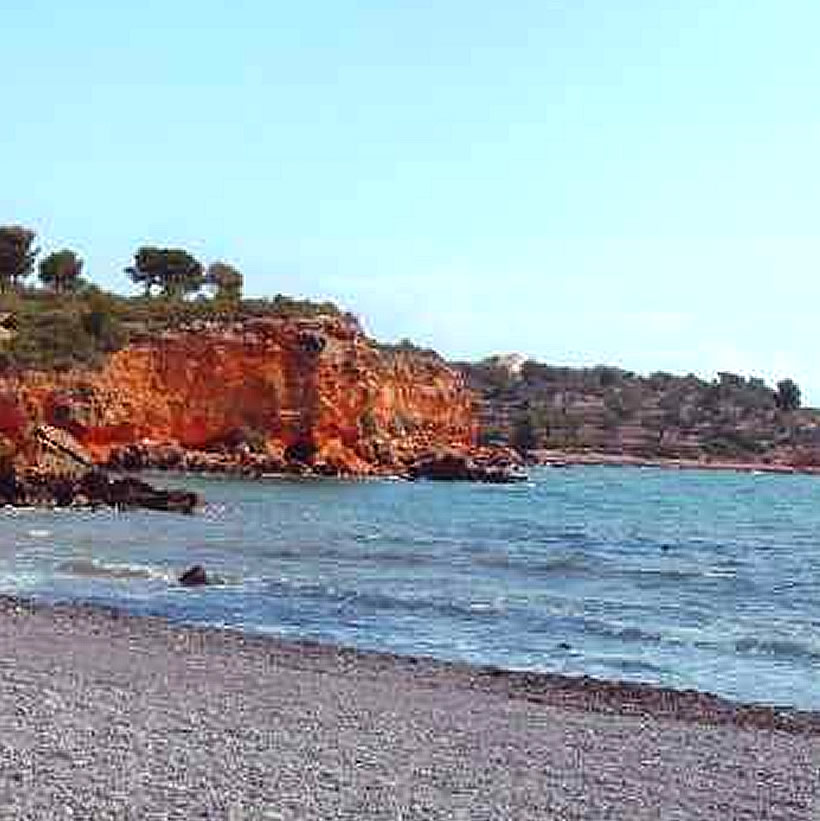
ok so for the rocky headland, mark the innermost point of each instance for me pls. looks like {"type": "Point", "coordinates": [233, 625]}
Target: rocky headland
{"type": "Point", "coordinates": [289, 388]}
{"type": "Point", "coordinates": [251, 397]}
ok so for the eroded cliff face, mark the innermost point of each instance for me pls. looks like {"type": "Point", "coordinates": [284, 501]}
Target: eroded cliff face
{"type": "Point", "coordinates": [312, 391]}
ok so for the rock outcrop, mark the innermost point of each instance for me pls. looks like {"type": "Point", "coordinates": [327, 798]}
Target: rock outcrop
{"type": "Point", "coordinates": [45, 488]}
{"type": "Point", "coordinates": [254, 396]}
{"type": "Point", "coordinates": [58, 472]}
{"type": "Point", "coordinates": [487, 465]}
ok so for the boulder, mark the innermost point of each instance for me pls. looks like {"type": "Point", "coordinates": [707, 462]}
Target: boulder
{"type": "Point", "coordinates": [194, 576]}
{"type": "Point", "coordinates": [131, 492]}
{"type": "Point", "coordinates": [443, 465]}
{"type": "Point", "coordinates": [454, 465]}
{"type": "Point", "coordinates": [36, 486]}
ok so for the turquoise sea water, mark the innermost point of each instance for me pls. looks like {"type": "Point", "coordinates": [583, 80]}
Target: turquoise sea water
{"type": "Point", "coordinates": [691, 579]}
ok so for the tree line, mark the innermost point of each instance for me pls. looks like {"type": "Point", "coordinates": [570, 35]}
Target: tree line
{"type": "Point", "coordinates": [169, 273]}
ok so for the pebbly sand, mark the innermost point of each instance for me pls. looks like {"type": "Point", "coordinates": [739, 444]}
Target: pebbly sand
{"type": "Point", "coordinates": [109, 716]}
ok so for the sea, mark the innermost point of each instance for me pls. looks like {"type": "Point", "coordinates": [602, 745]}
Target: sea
{"type": "Point", "coordinates": [691, 579]}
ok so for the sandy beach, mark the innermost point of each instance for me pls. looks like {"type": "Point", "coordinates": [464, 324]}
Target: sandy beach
{"type": "Point", "coordinates": [109, 716]}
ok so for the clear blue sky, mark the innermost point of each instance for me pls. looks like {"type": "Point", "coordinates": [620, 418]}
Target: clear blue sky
{"type": "Point", "coordinates": [629, 182]}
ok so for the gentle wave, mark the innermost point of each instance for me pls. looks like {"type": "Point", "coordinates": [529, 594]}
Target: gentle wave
{"type": "Point", "coordinates": [369, 554]}
{"type": "Point", "coordinates": [95, 569]}
{"type": "Point", "coordinates": [621, 632]}
{"type": "Point", "coordinates": [568, 564]}
{"type": "Point", "coordinates": [558, 625]}
{"type": "Point", "coordinates": [632, 666]}
{"type": "Point", "coordinates": [92, 569]}
{"type": "Point", "coordinates": [384, 602]}
{"type": "Point", "coordinates": [779, 648]}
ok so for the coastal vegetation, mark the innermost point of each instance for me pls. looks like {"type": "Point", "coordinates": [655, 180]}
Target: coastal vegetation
{"type": "Point", "coordinates": [532, 405]}
{"type": "Point", "coordinates": [61, 318]}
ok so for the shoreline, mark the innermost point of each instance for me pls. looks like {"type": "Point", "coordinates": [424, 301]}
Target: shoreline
{"type": "Point", "coordinates": [541, 458]}
{"type": "Point", "coordinates": [568, 458]}
{"type": "Point", "coordinates": [107, 715]}
{"type": "Point", "coordinates": [582, 692]}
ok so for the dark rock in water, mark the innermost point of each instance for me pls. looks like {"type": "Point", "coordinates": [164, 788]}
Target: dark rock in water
{"type": "Point", "coordinates": [453, 465]}
{"type": "Point", "coordinates": [194, 577]}
{"type": "Point", "coordinates": [10, 490]}
{"type": "Point", "coordinates": [131, 492]}
{"type": "Point", "coordinates": [94, 487]}
{"type": "Point", "coordinates": [447, 465]}
{"type": "Point", "coordinates": [495, 474]}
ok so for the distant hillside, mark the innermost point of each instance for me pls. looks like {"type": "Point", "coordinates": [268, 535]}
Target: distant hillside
{"type": "Point", "coordinates": [605, 409]}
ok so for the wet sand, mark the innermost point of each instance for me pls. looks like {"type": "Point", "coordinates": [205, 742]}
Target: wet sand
{"type": "Point", "coordinates": [110, 716]}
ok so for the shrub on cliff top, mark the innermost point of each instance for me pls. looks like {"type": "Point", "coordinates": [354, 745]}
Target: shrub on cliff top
{"type": "Point", "coordinates": [226, 282]}
{"type": "Point", "coordinates": [53, 331]}
{"type": "Point", "coordinates": [173, 271]}
{"type": "Point", "coordinates": [788, 395]}
{"type": "Point", "coordinates": [61, 271]}
{"type": "Point", "coordinates": [17, 255]}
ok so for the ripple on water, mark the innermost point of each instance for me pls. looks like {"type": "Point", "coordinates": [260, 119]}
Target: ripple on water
{"type": "Point", "coordinates": [93, 569]}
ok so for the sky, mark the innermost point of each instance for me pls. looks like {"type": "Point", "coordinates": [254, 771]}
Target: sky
{"type": "Point", "coordinates": [626, 182]}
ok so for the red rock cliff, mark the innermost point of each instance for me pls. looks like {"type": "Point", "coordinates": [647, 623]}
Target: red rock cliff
{"type": "Point", "coordinates": [315, 390]}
